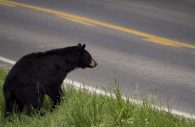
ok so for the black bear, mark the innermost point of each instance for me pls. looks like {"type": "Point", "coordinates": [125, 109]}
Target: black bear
{"type": "Point", "coordinates": [37, 74]}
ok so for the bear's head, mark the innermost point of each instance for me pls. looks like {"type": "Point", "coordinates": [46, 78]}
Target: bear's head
{"type": "Point", "coordinates": [85, 59]}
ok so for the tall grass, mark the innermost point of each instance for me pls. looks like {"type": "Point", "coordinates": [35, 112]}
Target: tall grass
{"type": "Point", "coordinates": [79, 108]}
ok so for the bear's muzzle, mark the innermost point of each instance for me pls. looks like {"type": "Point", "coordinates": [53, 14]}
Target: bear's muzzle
{"type": "Point", "coordinates": [92, 64]}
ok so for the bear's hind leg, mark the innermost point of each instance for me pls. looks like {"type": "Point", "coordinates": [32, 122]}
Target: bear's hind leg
{"type": "Point", "coordinates": [9, 106]}
{"type": "Point", "coordinates": [20, 106]}
{"type": "Point", "coordinates": [35, 104]}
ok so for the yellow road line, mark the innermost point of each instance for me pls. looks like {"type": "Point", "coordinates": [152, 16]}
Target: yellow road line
{"type": "Point", "coordinates": [7, 4]}
{"type": "Point", "coordinates": [76, 20]}
{"type": "Point", "coordinates": [143, 35]}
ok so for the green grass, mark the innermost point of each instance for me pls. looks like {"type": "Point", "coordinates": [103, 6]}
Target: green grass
{"type": "Point", "coordinates": [83, 109]}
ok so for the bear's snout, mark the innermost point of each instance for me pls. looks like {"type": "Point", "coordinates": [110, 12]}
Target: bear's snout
{"type": "Point", "coordinates": [92, 64]}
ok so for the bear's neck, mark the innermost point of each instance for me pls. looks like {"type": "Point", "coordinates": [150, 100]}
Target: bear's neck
{"type": "Point", "coordinates": [65, 58]}
{"type": "Point", "coordinates": [70, 64]}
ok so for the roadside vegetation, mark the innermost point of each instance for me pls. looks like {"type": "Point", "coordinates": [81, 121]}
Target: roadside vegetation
{"type": "Point", "coordinates": [80, 108]}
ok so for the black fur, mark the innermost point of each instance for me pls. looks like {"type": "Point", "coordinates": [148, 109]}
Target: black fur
{"type": "Point", "coordinates": [41, 73]}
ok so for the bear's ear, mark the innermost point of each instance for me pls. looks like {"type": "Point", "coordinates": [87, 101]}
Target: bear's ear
{"type": "Point", "coordinates": [79, 44]}
{"type": "Point", "coordinates": [83, 46]}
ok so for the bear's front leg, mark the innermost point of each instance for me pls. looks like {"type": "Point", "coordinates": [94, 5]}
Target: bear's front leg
{"type": "Point", "coordinates": [55, 94]}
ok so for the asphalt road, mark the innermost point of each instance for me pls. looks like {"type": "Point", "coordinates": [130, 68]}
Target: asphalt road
{"type": "Point", "coordinates": [147, 46]}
